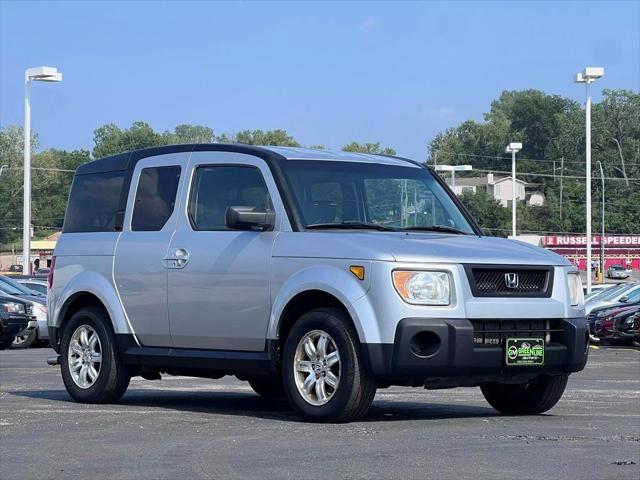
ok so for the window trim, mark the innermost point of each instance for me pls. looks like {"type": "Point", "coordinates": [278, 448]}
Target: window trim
{"type": "Point", "coordinates": [192, 181]}
{"type": "Point", "coordinates": [135, 197]}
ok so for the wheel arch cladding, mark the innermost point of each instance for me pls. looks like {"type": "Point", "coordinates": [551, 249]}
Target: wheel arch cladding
{"type": "Point", "coordinates": [304, 302]}
{"type": "Point", "coordinates": [96, 286]}
{"type": "Point", "coordinates": [318, 286]}
{"type": "Point", "coordinates": [75, 303]}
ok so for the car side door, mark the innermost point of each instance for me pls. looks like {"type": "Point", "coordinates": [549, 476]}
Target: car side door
{"type": "Point", "coordinates": [219, 285]}
{"type": "Point", "coordinates": [140, 270]}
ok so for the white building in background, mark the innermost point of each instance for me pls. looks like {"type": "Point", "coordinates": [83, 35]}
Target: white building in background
{"type": "Point", "coordinates": [500, 189]}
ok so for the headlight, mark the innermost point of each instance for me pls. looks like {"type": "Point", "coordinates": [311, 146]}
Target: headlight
{"type": "Point", "coordinates": [423, 288]}
{"type": "Point", "coordinates": [13, 307]}
{"type": "Point", "coordinates": [576, 296]}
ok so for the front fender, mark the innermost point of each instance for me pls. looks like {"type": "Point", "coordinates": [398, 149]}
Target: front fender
{"type": "Point", "coordinates": [95, 284]}
{"type": "Point", "coordinates": [335, 280]}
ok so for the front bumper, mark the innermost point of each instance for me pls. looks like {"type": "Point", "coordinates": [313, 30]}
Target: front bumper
{"type": "Point", "coordinates": [13, 325]}
{"type": "Point", "coordinates": [448, 355]}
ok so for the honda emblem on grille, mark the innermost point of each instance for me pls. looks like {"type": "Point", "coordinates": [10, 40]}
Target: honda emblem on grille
{"type": "Point", "coordinates": [511, 280]}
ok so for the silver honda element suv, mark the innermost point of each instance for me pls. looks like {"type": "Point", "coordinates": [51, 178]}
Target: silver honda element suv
{"type": "Point", "coordinates": [314, 275]}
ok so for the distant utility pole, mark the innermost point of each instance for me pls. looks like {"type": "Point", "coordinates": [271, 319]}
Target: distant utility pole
{"type": "Point", "coordinates": [602, 227]}
{"type": "Point", "coordinates": [561, 174]}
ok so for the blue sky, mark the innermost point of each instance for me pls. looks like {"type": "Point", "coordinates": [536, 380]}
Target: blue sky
{"type": "Point", "coordinates": [328, 73]}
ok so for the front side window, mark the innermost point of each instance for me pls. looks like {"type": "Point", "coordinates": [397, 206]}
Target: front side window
{"type": "Point", "coordinates": [155, 198]}
{"type": "Point", "coordinates": [216, 188]}
{"type": "Point", "coordinates": [392, 196]}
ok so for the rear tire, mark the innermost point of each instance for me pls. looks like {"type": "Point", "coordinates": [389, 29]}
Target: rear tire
{"type": "Point", "coordinates": [531, 398]}
{"type": "Point", "coordinates": [268, 387]}
{"type": "Point", "coordinates": [109, 379]}
{"type": "Point", "coordinates": [334, 359]}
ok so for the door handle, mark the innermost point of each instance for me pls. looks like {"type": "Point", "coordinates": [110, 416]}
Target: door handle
{"type": "Point", "coordinates": [179, 259]}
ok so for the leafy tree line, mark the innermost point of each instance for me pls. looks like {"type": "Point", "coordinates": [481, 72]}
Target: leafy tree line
{"type": "Point", "coordinates": [552, 131]}
{"type": "Point", "coordinates": [53, 169]}
{"type": "Point", "coordinates": [550, 127]}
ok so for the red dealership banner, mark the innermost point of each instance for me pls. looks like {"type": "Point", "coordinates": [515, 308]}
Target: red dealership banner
{"type": "Point", "coordinates": [578, 241]}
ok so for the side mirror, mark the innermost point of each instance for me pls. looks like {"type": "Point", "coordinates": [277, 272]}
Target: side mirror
{"type": "Point", "coordinates": [249, 218]}
{"type": "Point", "coordinates": [623, 299]}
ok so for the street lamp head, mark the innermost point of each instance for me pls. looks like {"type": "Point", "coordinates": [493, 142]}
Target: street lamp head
{"type": "Point", "coordinates": [513, 147]}
{"type": "Point", "coordinates": [589, 75]}
{"type": "Point", "coordinates": [43, 74]}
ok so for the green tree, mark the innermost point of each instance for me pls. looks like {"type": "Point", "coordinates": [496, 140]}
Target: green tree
{"type": "Point", "coordinates": [185, 133]}
{"type": "Point", "coordinates": [373, 148]}
{"type": "Point", "coordinates": [552, 131]}
{"type": "Point", "coordinates": [487, 211]}
{"type": "Point", "coordinates": [259, 137]}
{"type": "Point", "coordinates": [110, 139]}
{"type": "Point", "coordinates": [11, 159]}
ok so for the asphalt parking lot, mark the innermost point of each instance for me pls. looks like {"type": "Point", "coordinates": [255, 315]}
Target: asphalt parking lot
{"type": "Point", "coordinates": [196, 428]}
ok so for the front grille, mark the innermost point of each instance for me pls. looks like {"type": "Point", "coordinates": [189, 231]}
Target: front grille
{"type": "Point", "coordinates": [494, 332]}
{"type": "Point", "coordinates": [516, 281]}
{"type": "Point", "coordinates": [29, 309]}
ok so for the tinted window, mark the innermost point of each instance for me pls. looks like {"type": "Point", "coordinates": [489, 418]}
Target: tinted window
{"type": "Point", "coordinates": [155, 198]}
{"type": "Point", "coordinates": [93, 202]}
{"type": "Point", "coordinates": [217, 188]}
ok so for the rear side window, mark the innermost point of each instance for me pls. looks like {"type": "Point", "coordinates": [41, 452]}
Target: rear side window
{"type": "Point", "coordinates": [93, 202]}
{"type": "Point", "coordinates": [215, 188]}
{"type": "Point", "coordinates": [155, 198]}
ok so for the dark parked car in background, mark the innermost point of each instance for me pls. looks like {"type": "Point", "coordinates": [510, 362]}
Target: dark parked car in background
{"type": "Point", "coordinates": [36, 332]}
{"type": "Point", "coordinates": [13, 319]}
{"type": "Point", "coordinates": [615, 324]}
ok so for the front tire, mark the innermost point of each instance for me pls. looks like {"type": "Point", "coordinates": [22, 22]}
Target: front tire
{"type": "Point", "coordinates": [324, 374]}
{"type": "Point", "coordinates": [532, 398]}
{"type": "Point", "coordinates": [26, 340]}
{"type": "Point", "coordinates": [92, 370]}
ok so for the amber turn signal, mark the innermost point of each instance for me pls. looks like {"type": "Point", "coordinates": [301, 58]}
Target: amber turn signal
{"type": "Point", "coordinates": [358, 271]}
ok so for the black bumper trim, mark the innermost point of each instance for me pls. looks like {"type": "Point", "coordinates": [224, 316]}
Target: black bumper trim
{"type": "Point", "coordinates": [457, 356]}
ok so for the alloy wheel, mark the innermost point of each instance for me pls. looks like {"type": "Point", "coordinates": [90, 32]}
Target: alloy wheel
{"type": "Point", "coordinates": [316, 367]}
{"type": "Point", "coordinates": [85, 356]}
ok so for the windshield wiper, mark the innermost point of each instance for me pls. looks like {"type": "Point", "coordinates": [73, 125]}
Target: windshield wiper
{"type": "Point", "coordinates": [351, 226]}
{"type": "Point", "coordinates": [437, 228]}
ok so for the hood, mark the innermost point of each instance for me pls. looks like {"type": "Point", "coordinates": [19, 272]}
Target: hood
{"type": "Point", "coordinates": [32, 299]}
{"type": "Point", "coordinates": [413, 247]}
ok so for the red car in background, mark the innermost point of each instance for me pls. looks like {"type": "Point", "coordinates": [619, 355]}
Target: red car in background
{"type": "Point", "coordinates": [617, 324]}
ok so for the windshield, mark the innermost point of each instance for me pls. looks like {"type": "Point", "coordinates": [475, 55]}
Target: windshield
{"type": "Point", "coordinates": [617, 292]}
{"type": "Point", "coordinates": [397, 197]}
{"type": "Point", "coordinates": [616, 267]}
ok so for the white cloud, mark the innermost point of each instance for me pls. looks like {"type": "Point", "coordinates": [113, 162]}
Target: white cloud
{"type": "Point", "coordinates": [368, 24]}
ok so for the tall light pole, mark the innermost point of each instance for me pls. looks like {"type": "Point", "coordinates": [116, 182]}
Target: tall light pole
{"type": "Point", "coordinates": [453, 169]}
{"type": "Point", "coordinates": [513, 148]}
{"type": "Point", "coordinates": [36, 74]}
{"type": "Point", "coordinates": [588, 76]}
{"type": "Point", "coordinates": [602, 227]}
